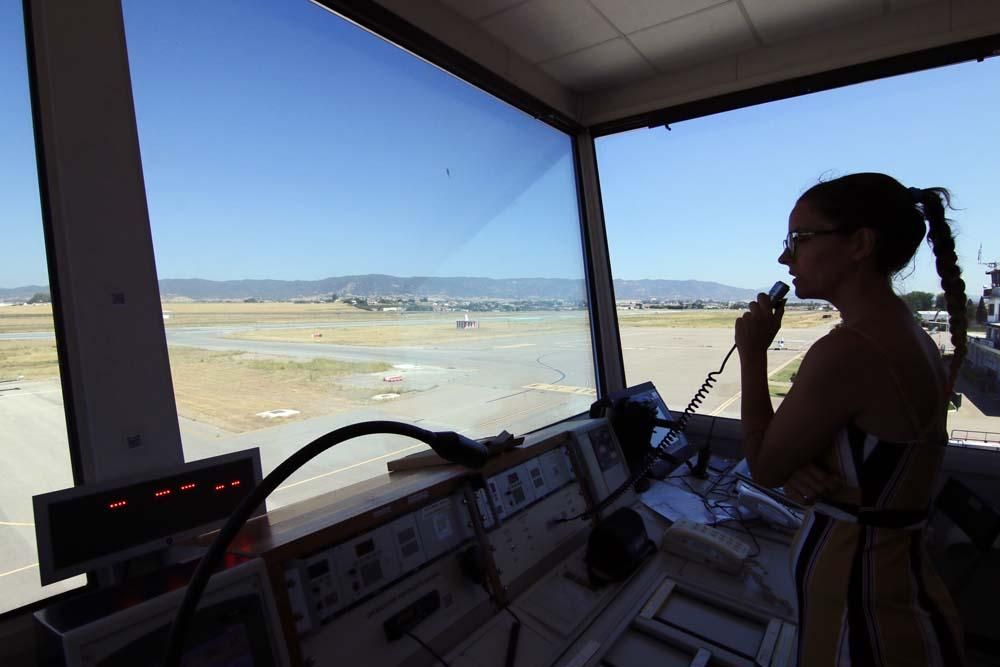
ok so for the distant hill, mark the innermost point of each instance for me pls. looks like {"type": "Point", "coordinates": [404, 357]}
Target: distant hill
{"type": "Point", "coordinates": [20, 294]}
{"type": "Point", "coordinates": [417, 286]}
{"type": "Point", "coordinates": [682, 290]}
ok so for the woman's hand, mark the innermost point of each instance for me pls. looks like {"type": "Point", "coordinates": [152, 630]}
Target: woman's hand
{"type": "Point", "coordinates": [809, 483]}
{"type": "Point", "coordinates": [756, 329]}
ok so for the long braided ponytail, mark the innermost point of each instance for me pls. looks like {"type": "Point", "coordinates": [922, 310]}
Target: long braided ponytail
{"type": "Point", "coordinates": [933, 202]}
{"type": "Point", "coordinates": [897, 213]}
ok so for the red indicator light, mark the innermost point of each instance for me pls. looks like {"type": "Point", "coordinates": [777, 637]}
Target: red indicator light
{"type": "Point", "coordinates": [187, 487]}
{"type": "Point", "coordinates": [115, 505]}
{"type": "Point", "coordinates": [220, 487]}
{"type": "Point", "coordinates": [161, 493]}
{"type": "Point", "coordinates": [235, 483]}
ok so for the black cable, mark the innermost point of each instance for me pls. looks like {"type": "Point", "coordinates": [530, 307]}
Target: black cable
{"type": "Point", "coordinates": [449, 445]}
{"type": "Point", "coordinates": [496, 604]}
{"type": "Point", "coordinates": [512, 641]}
{"type": "Point", "coordinates": [746, 529]}
{"type": "Point", "coordinates": [426, 646]}
{"type": "Point", "coordinates": [515, 628]}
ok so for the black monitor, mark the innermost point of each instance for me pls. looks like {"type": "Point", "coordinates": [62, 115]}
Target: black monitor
{"type": "Point", "coordinates": [679, 449]}
{"type": "Point", "coordinates": [90, 526]}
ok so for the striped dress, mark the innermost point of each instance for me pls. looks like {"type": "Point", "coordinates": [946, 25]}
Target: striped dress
{"type": "Point", "coordinates": [867, 592]}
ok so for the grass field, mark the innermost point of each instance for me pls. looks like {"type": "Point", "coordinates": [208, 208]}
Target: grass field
{"type": "Point", "coordinates": [718, 319]}
{"type": "Point", "coordinates": [32, 359]}
{"type": "Point", "coordinates": [403, 333]}
{"type": "Point", "coordinates": [786, 373]}
{"type": "Point", "coordinates": [228, 389]}
{"type": "Point", "coordinates": [15, 319]}
{"type": "Point", "coordinates": [224, 389]}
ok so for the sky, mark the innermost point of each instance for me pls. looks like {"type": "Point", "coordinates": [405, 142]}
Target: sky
{"type": "Point", "coordinates": [279, 141]}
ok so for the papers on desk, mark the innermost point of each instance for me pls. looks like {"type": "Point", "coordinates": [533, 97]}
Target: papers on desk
{"type": "Point", "coordinates": [672, 500]}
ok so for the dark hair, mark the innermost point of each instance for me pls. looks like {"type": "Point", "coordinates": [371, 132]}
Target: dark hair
{"type": "Point", "coordinates": [897, 214]}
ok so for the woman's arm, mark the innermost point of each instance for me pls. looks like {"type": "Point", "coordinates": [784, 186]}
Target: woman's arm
{"type": "Point", "coordinates": [828, 391]}
{"type": "Point", "coordinates": [756, 412]}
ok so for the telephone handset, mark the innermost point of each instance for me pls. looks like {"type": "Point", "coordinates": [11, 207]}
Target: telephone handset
{"type": "Point", "coordinates": [704, 544]}
{"type": "Point", "coordinates": [776, 295]}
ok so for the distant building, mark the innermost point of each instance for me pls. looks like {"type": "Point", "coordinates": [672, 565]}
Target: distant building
{"type": "Point", "coordinates": [991, 296]}
{"type": "Point", "coordinates": [466, 323]}
{"type": "Point", "coordinates": [933, 316]}
{"type": "Point", "coordinates": [984, 353]}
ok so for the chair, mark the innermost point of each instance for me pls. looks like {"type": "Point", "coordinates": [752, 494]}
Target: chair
{"type": "Point", "coordinates": [964, 562]}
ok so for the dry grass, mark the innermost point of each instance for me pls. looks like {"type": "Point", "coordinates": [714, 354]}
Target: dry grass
{"type": "Point", "coordinates": [786, 373]}
{"type": "Point", "coordinates": [35, 360]}
{"type": "Point", "coordinates": [404, 333]}
{"type": "Point", "coordinates": [228, 389]}
{"type": "Point", "coordinates": [778, 390]}
{"type": "Point", "coordinates": [187, 314]}
{"type": "Point", "coordinates": [36, 317]}
{"type": "Point", "coordinates": [717, 319]}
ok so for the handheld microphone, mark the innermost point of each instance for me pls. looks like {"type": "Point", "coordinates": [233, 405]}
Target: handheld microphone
{"type": "Point", "coordinates": [777, 293]}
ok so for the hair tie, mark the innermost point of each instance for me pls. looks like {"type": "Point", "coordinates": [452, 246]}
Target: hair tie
{"type": "Point", "coordinates": [917, 195]}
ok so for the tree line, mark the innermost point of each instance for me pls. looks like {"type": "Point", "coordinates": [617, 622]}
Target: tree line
{"type": "Point", "coordinates": [927, 301]}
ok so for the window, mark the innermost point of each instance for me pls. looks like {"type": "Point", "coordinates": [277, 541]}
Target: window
{"type": "Point", "coordinates": [344, 232]}
{"type": "Point", "coordinates": [34, 451]}
{"type": "Point", "coordinates": [695, 218]}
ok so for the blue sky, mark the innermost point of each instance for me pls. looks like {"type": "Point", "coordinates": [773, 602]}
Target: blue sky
{"type": "Point", "coordinates": [279, 141]}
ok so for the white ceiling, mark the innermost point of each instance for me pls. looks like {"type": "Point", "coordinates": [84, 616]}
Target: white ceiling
{"type": "Point", "coordinates": [590, 45]}
{"type": "Point", "coordinates": [601, 60]}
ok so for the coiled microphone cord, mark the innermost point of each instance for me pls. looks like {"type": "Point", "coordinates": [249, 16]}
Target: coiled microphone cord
{"type": "Point", "coordinates": [660, 451]}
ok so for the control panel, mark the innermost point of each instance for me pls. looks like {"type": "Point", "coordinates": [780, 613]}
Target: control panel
{"type": "Point", "coordinates": [338, 576]}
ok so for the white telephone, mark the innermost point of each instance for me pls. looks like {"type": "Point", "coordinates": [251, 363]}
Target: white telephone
{"type": "Point", "coordinates": [768, 509]}
{"type": "Point", "coordinates": [704, 544]}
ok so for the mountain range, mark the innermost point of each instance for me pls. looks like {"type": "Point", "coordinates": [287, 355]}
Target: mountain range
{"type": "Point", "coordinates": [369, 285]}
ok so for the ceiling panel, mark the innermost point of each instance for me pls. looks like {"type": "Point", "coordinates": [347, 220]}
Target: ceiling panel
{"type": "Point", "coordinates": [611, 64]}
{"type": "Point", "coordinates": [702, 37]}
{"type": "Point", "coordinates": [777, 20]}
{"type": "Point", "coordinates": [896, 5]}
{"type": "Point", "coordinates": [477, 9]}
{"type": "Point", "coordinates": [633, 15]}
{"type": "Point", "coordinates": [544, 29]}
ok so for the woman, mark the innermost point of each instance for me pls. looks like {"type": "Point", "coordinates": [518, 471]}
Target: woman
{"type": "Point", "coordinates": [861, 434]}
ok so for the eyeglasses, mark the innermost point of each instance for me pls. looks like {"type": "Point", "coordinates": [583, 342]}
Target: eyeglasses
{"type": "Point", "coordinates": [793, 238]}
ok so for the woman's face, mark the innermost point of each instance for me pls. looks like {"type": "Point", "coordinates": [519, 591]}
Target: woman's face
{"type": "Point", "coordinates": [820, 260]}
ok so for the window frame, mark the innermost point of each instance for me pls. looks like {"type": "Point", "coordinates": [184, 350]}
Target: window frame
{"type": "Point", "coordinates": [94, 259]}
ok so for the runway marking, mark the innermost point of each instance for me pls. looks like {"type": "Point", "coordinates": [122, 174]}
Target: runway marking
{"type": "Point", "coordinates": [562, 389]}
{"type": "Point", "coordinates": [500, 398]}
{"type": "Point", "coordinates": [17, 523]}
{"type": "Point", "coordinates": [725, 404]}
{"type": "Point", "coordinates": [506, 417]}
{"type": "Point", "coordinates": [20, 569]}
{"type": "Point", "coordinates": [735, 397]}
{"type": "Point", "coordinates": [353, 465]}
{"type": "Point", "coordinates": [21, 393]}
{"type": "Point", "coordinates": [511, 347]}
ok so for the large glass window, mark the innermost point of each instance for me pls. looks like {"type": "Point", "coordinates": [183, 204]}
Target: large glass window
{"type": "Point", "coordinates": [344, 232]}
{"type": "Point", "coordinates": [696, 215]}
{"type": "Point", "coordinates": [34, 452]}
